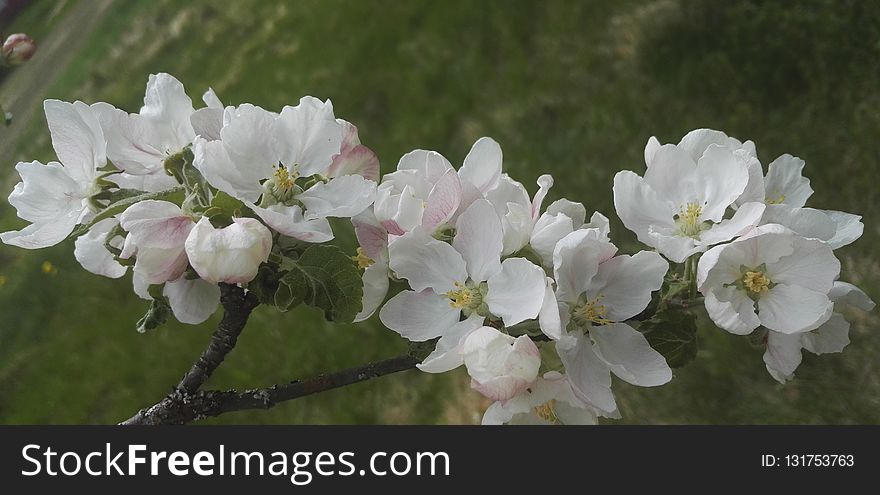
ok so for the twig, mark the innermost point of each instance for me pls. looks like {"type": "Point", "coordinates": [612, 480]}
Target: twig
{"type": "Point", "coordinates": [180, 407]}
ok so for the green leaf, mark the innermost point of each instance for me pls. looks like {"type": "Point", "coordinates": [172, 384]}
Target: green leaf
{"type": "Point", "coordinates": [175, 194]}
{"type": "Point", "coordinates": [323, 277]}
{"type": "Point", "coordinates": [674, 335]}
{"type": "Point", "coordinates": [157, 314]}
{"type": "Point", "coordinates": [265, 284]}
{"type": "Point", "coordinates": [224, 207]}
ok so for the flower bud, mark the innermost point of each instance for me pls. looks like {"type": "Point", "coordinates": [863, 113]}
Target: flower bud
{"type": "Point", "coordinates": [500, 366]}
{"type": "Point", "coordinates": [18, 48]}
{"type": "Point", "coordinates": [231, 254]}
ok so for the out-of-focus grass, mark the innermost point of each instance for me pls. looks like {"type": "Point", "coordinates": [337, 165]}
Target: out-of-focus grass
{"type": "Point", "coordinates": [570, 88]}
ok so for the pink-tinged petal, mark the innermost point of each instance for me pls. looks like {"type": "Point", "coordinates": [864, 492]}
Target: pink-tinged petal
{"type": "Point", "coordinates": [192, 301]}
{"type": "Point", "coordinates": [371, 235]}
{"type": "Point", "coordinates": [419, 316]}
{"type": "Point", "coordinates": [500, 366]}
{"type": "Point", "coordinates": [289, 221]}
{"type": "Point", "coordinates": [442, 202]}
{"type": "Point", "coordinates": [359, 160]}
{"type": "Point", "coordinates": [482, 165]}
{"type": "Point", "coordinates": [516, 292]}
{"type": "Point", "coordinates": [630, 356]}
{"type": "Point", "coordinates": [426, 262]}
{"type": "Point", "coordinates": [479, 239]}
{"type": "Point", "coordinates": [157, 232]}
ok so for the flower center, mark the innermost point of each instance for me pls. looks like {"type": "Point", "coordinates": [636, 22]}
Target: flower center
{"type": "Point", "coordinates": [780, 198]}
{"type": "Point", "coordinates": [284, 180]}
{"type": "Point", "coordinates": [546, 411]}
{"type": "Point", "coordinates": [469, 298]}
{"type": "Point", "coordinates": [363, 261]}
{"type": "Point", "coordinates": [591, 313]}
{"type": "Point", "coordinates": [688, 220]}
{"type": "Point", "coordinates": [756, 282]}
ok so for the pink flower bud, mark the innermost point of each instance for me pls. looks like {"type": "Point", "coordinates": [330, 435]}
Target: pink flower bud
{"type": "Point", "coordinates": [18, 48]}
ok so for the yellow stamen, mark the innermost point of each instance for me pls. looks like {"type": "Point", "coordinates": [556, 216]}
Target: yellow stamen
{"type": "Point", "coordinates": [756, 282]}
{"type": "Point", "coordinates": [461, 297]}
{"type": "Point", "coordinates": [546, 411]}
{"type": "Point", "coordinates": [592, 313]}
{"type": "Point", "coordinates": [363, 261]}
{"type": "Point", "coordinates": [283, 179]}
{"type": "Point", "coordinates": [689, 219]}
{"type": "Point", "coordinates": [778, 200]}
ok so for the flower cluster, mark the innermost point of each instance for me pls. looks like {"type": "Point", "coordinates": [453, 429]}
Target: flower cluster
{"type": "Point", "coordinates": [534, 301]}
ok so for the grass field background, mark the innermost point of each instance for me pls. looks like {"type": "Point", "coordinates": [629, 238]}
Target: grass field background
{"type": "Point", "coordinates": [570, 88]}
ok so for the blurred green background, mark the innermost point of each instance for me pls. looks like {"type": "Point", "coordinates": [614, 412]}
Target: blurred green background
{"type": "Point", "coordinates": [570, 88]}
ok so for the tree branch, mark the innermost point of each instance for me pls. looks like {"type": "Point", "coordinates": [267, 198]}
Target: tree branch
{"type": "Point", "coordinates": [181, 407]}
{"type": "Point", "coordinates": [237, 308]}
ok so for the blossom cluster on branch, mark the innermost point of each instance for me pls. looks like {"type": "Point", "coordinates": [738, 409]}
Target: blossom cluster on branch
{"type": "Point", "coordinates": [533, 299]}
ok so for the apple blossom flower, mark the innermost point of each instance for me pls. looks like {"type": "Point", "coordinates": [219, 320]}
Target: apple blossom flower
{"type": "Point", "coordinates": [518, 212]}
{"type": "Point", "coordinates": [500, 366]}
{"type": "Point", "coordinates": [550, 400]}
{"type": "Point", "coordinates": [678, 207]}
{"type": "Point", "coordinates": [18, 48]}
{"type": "Point", "coordinates": [696, 142]}
{"type": "Point", "coordinates": [769, 277]}
{"type": "Point", "coordinates": [92, 253]}
{"type": "Point", "coordinates": [427, 192]}
{"type": "Point", "coordinates": [787, 192]}
{"type": "Point", "coordinates": [231, 254]}
{"type": "Point", "coordinates": [596, 292]}
{"type": "Point", "coordinates": [157, 231]}
{"type": "Point", "coordinates": [54, 198]}
{"type": "Point", "coordinates": [783, 352]}
{"type": "Point", "coordinates": [464, 278]}
{"type": "Point", "coordinates": [270, 158]}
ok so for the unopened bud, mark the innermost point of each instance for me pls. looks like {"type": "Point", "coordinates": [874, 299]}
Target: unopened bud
{"type": "Point", "coordinates": [18, 48]}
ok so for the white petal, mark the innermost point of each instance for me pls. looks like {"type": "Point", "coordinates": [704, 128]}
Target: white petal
{"type": "Point", "coordinates": [576, 211]}
{"type": "Point", "coordinates": [479, 239]}
{"type": "Point", "coordinates": [625, 283]}
{"type": "Point", "coordinates": [548, 231]}
{"type": "Point", "coordinates": [832, 336]}
{"type": "Point", "coordinates": [288, 220]}
{"type": "Point", "coordinates": [344, 196]}
{"type": "Point", "coordinates": [696, 142]}
{"type": "Point", "coordinates": [216, 166]}
{"type": "Point", "coordinates": [590, 377]}
{"type": "Point", "coordinates": [91, 253]}
{"type": "Point", "coordinates": [429, 164]}
{"type": "Point", "coordinates": [516, 293]}
{"type": "Point", "coordinates": [517, 226]}
{"type": "Point", "coordinates": [812, 265]}
{"type": "Point", "coordinates": [629, 355]}
{"type": "Point", "coordinates": [76, 137]}
{"type": "Point", "coordinates": [722, 176]}
{"type": "Point", "coordinates": [192, 301]}
{"type": "Point", "coordinates": [639, 207]}
{"type": "Point", "coordinates": [849, 228]}
{"type": "Point", "coordinates": [447, 354]}
{"type": "Point", "coordinates": [793, 309]}
{"type": "Point", "coordinates": [134, 143]}
{"type": "Point", "coordinates": [650, 148]}
{"type": "Point", "coordinates": [848, 294]}
{"type": "Point", "coordinates": [785, 182]}
{"type": "Point", "coordinates": [576, 261]}
{"type": "Point", "coordinates": [545, 182]}
{"type": "Point", "coordinates": [500, 366]}
{"type": "Point", "coordinates": [672, 175]}
{"type": "Point", "coordinates": [482, 165]}
{"type": "Point", "coordinates": [732, 310]}
{"type": "Point", "coordinates": [426, 262]}
{"type": "Point", "coordinates": [166, 102]}
{"type": "Point", "coordinates": [747, 216]}
{"type": "Point", "coordinates": [247, 136]}
{"type": "Point", "coordinates": [207, 122]}
{"type": "Point", "coordinates": [419, 316]}
{"type": "Point", "coordinates": [783, 355]}
{"type": "Point", "coordinates": [41, 235]}
{"type": "Point", "coordinates": [375, 289]}
{"type": "Point", "coordinates": [806, 222]}
{"type": "Point", "coordinates": [442, 202]}
{"type": "Point", "coordinates": [308, 135]}
{"type": "Point", "coordinates": [549, 316]}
